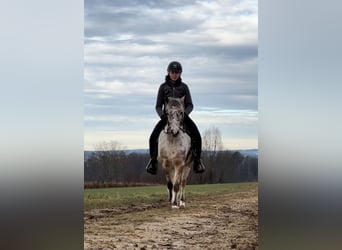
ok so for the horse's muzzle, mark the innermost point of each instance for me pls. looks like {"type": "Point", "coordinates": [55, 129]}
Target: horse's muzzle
{"type": "Point", "coordinates": [173, 132]}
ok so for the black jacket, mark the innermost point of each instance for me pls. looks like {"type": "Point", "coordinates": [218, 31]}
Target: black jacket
{"type": "Point", "coordinates": [176, 89]}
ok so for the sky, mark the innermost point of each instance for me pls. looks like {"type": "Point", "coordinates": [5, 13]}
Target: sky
{"type": "Point", "coordinates": [127, 47]}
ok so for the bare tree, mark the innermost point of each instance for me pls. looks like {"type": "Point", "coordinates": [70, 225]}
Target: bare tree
{"type": "Point", "coordinates": [212, 144]}
{"type": "Point", "coordinates": [112, 158]}
{"type": "Point", "coordinates": [212, 141]}
{"type": "Point", "coordinates": [109, 146]}
{"type": "Point", "coordinates": [110, 163]}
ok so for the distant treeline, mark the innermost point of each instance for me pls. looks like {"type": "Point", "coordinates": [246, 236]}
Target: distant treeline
{"type": "Point", "coordinates": [116, 168]}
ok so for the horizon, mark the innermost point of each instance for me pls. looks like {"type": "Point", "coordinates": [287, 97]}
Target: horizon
{"type": "Point", "coordinates": [148, 149]}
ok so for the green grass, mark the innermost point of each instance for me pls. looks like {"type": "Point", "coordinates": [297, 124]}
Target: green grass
{"type": "Point", "coordinates": [109, 197]}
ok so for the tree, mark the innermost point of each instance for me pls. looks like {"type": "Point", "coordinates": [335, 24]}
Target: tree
{"type": "Point", "coordinates": [212, 144]}
{"type": "Point", "coordinates": [112, 159]}
{"type": "Point", "coordinates": [212, 141]}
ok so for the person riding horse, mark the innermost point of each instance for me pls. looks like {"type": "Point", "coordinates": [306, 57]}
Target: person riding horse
{"type": "Point", "coordinates": [174, 87]}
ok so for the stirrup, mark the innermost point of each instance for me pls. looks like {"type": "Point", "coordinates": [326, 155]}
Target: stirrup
{"type": "Point", "coordinates": [152, 167]}
{"type": "Point", "coordinates": [198, 166]}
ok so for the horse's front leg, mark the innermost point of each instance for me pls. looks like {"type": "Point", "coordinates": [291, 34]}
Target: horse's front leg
{"type": "Point", "coordinates": [184, 176]}
{"type": "Point", "coordinates": [170, 187]}
{"type": "Point", "coordinates": [175, 199]}
{"type": "Point", "coordinates": [182, 193]}
{"type": "Point", "coordinates": [175, 191]}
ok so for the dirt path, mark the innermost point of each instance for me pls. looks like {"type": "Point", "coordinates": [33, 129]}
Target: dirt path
{"type": "Point", "coordinates": [227, 221]}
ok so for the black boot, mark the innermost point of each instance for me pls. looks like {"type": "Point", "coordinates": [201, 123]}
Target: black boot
{"type": "Point", "coordinates": [152, 167]}
{"type": "Point", "coordinates": [198, 166]}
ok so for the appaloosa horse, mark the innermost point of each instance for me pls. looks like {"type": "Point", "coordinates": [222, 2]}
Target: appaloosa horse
{"type": "Point", "coordinates": [174, 152]}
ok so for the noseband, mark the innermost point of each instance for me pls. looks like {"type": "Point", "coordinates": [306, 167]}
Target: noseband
{"type": "Point", "coordinates": [168, 130]}
{"type": "Point", "coordinates": [179, 116]}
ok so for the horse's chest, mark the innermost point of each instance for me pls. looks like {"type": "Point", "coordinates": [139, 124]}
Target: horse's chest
{"type": "Point", "coordinates": [175, 149]}
{"type": "Point", "coordinates": [174, 146]}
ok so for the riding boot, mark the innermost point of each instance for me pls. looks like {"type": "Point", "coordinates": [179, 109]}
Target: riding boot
{"type": "Point", "coordinates": [152, 165]}
{"type": "Point", "coordinates": [198, 166]}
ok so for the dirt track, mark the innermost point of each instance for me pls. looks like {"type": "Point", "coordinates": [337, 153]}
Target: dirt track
{"type": "Point", "coordinates": [227, 221]}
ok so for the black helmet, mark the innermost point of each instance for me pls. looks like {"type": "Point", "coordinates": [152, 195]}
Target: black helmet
{"type": "Point", "coordinates": [174, 66]}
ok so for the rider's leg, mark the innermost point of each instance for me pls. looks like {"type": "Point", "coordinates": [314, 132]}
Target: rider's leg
{"type": "Point", "coordinates": [196, 142]}
{"type": "Point", "coordinates": [153, 143]}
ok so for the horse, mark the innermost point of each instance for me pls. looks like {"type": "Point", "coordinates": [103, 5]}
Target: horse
{"type": "Point", "coordinates": [174, 151]}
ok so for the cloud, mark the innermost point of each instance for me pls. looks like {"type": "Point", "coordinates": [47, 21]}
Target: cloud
{"type": "Point", "coordinates": [128, 45]}
{"type": "Point", "coordinates": [137, 17]}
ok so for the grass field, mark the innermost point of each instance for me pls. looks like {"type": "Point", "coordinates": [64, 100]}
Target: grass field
{"type": "Point", "coordinates": [217, 216]}
{"type": "Point", "coordinates": [108, 197]}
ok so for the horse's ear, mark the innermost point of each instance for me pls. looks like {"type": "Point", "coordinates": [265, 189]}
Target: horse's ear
{"type": "Point", "coordinates": [182, 99]}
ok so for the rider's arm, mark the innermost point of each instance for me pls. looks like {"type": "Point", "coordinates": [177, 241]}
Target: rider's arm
{"type": "Point", "coordinates": [160, 102]}
{"type": "Point", "coordinates": [188, 101]}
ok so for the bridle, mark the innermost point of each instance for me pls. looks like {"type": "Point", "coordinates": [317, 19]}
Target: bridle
{"type": "Point", "coordinates": [180, 119]}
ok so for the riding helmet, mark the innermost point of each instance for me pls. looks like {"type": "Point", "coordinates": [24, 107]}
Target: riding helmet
{"type": "Point", "coordinates": [175, 66]}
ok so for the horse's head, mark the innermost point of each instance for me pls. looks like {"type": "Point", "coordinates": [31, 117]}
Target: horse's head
{"type": "Point", "coordinates": [174, 108]}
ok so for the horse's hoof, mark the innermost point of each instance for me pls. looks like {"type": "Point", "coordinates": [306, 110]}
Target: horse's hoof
{"type": "Point", "coordinates": [174, 206]}
{"type": "Point", "coordinates": [182, 204]}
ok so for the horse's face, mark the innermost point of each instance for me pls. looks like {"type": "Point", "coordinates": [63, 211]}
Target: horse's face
{"type": "Point", "coordinates": [175, 119]}
{"type": "Point", "coordinates": [175, 115]}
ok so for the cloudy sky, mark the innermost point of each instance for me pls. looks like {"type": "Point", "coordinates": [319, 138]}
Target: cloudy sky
{"type": "Point", "coordinates": [128, 45]}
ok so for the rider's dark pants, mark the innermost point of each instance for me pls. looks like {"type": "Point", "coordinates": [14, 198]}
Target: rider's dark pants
{"type": "Point", "coordinates": [191, 129]}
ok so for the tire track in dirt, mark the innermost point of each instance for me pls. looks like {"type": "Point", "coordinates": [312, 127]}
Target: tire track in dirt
{"type": "Point", "coordinates": [228, 221]}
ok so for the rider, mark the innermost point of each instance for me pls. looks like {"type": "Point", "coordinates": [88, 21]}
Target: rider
{"type": "Point", "coordinates": [174, 87]}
